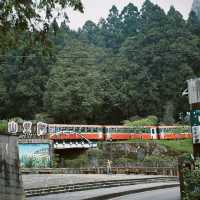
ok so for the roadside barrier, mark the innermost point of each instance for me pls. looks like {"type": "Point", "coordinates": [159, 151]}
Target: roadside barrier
{"type": "Point", "coordinates": [96, 185]}
{"type": "Point", "coordinates": [103, 170]}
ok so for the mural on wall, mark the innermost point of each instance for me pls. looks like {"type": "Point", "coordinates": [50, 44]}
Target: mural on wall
{"type": "Point", "coordinates": [34, 155]}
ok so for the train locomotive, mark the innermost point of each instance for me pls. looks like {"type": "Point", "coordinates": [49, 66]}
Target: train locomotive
{"type": "Point", "coordinates": [107, 133]}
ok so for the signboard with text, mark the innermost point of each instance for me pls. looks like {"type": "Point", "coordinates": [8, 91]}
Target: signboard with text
{"type": "Point", "coordinates": [28, 129]}
{"type": "Point", "coordinates": [195, 122]}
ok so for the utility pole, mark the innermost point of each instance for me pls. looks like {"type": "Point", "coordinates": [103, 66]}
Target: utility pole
{"type": "Point", "coordinates": [194, 101]}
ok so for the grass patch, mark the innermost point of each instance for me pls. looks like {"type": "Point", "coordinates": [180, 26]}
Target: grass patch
{"type": "Point", "coordinates": [182, 146]}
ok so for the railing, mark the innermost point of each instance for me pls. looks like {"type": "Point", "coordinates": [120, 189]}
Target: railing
{"type": "Point", "coordinates": [103, 170]}
{"type": "Point", "coordinates": [100, 184]}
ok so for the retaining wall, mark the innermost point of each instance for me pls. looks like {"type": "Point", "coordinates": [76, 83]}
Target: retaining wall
{"type": "Point", "coordinates": [11, 187]}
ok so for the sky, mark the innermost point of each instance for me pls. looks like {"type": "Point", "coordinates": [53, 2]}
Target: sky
{"type": "Point", "coordinates": [96, 9]}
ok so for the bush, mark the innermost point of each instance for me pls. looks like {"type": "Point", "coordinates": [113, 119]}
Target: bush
{"type": "Point", "coordinates": [191, 178]}
{"type": "Point", "coordinates": [3, 126]}
{"type": "Point", "coordinates": [148, 121]}
{"type": "Point", "coordinates": [43, 117]}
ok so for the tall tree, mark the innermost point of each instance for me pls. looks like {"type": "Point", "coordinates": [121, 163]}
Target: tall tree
{"type": "Point", "coordinates": [112, 30]}
{"type": "Point", "coordinates": [130, 17]}
{"type": "Point", "coordinates": [196, 7]}
{"type": "Point", "coordinates": [152, 16]}
{"type": "Point", "coordinates": [193, 23]}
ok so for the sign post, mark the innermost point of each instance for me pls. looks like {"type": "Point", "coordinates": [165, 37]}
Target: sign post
{"type": "Point", "coordinates": [194, 101]}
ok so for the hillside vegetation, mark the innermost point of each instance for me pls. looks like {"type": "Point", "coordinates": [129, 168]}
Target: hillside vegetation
{"type": "Point", "coordinates": [132, 63]}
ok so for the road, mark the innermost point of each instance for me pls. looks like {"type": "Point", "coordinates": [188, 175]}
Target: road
{"type": "Point", "coordinates": [166, 194]}
{"type": "Point", "coordinates": [46, 180]}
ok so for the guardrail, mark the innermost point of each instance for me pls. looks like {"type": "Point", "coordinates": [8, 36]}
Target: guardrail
{"type": "Point", "coordinates": [94, 185]}
{"type": "Point", "coordinates": [103, 170]}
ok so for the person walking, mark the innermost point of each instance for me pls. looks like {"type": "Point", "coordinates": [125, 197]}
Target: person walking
{"type": "Point", "coordinates": [108, 166]}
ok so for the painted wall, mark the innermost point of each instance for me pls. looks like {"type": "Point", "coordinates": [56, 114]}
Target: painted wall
{"type": "Point", "coordinates": [34, 155]}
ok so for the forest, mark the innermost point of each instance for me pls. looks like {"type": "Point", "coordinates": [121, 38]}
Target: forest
{"type": "Point", "coordinates": [132, 64]}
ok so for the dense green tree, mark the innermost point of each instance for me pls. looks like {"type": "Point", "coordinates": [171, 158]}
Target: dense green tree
{"type": "Point", "coordinates": [90, 32]}
{"type": "Point", "coordinates": [152, 16]}
{"type": "Point", "coordinates": [130, 17]}
{"type": "Point", "coordinates": [16, 17]}
{"type": "Point", "coordinates": [193, 23]}
{"type": "Point", "coordinates": [73, 92]}
{"type": "Point", "coordinates": [112, 30]}
{"type": "Point", "coordinates": [133, 63]}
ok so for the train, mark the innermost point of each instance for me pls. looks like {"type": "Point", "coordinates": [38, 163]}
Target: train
{"type": "Point", "coordinates": [107, 133]}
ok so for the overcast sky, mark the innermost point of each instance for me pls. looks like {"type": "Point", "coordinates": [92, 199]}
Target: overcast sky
{"type": "Point", "coordinates": [95, 9]}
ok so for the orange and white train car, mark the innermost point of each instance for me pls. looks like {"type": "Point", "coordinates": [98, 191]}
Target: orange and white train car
{"type": "Point", "coordinates": [72, 132]}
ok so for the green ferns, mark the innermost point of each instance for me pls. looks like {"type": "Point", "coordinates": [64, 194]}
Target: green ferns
{"type": "Point", "coordinates": [191, 180]}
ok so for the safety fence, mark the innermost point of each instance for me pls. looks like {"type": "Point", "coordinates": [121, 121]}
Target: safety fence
{"type": "Point", "coordinates": [103, 170]}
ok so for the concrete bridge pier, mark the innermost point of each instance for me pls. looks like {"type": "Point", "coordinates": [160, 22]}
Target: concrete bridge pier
{"type": "Point", "coordinates": [11, 186]}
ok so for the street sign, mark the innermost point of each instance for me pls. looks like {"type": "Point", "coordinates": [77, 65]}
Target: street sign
{"type": "Point", "coordinates": [195, 122]}
{"type": "Point", "coordinates": [195, 117]}
{"type": "Point", "coordinates": [196, 134]}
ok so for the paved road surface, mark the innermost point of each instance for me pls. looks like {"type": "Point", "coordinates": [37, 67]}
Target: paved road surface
{"type": "Point", "coordinates": [166, 194]}
{"type": "Point", "coordinates": [45, 180]}
{"type": "Point", "coordinates": [171, 194]}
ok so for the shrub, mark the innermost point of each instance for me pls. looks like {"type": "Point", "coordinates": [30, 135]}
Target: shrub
{"type": "Point", "coordinates": [148, 121]}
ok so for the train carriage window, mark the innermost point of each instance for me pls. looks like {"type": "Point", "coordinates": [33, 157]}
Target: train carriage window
{"type": "Point", "coordinates": [94, 129]}
{"type": "Point", "coordinates": [57, 129]}
{"type": "Point", "coordinates": [82, 129]}
{"type": "Point", "coordinates": [99, 129]}
{"type": "Point", "coordinates": [143, 130]}
{"type": "Point", "coordinates": [134, 130]}
{"type": "Point", "coordinates": [77, 129]}
{"type": "Point", "coordinates": [88, 129]}
{"type": "Point", "coordinates": [70, 128]}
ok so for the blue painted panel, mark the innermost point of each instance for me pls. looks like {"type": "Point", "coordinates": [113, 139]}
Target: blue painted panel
{"type": "Point", "coordinates": [34, 155]}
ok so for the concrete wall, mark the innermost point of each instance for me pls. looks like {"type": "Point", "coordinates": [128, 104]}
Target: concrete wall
{"type": "Point", "coordinates": [11, 187]}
